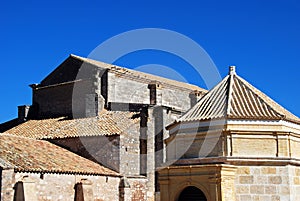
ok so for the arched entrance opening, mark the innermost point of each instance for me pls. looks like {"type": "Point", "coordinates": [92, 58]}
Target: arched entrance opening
{"type": "Point", "coordinates": [192, 193]}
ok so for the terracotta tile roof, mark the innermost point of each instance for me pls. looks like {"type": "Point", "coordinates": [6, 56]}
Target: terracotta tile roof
{"type": "Point", "coordinates": [30, 155]}
{"type": "Point", "coordinates": [107, 123]}
{"type": "Point", "coordinates": [142, 77]}
{"type": "Point", "coordinates": [233, 98]}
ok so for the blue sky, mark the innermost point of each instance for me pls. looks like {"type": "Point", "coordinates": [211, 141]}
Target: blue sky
{"type": "Point", "coordinates": [260, 37]}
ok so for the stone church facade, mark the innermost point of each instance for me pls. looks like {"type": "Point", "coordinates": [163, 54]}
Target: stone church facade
{"type": "Point", "coordinates": [96, 131]}
{"type": "Point", "coordinates": [111, 116]}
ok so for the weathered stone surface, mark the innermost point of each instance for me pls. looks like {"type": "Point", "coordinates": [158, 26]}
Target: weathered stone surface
{"type": "Point", "coordinates": [243, 189]}
{"type": "Point", "coordinates": [271, 183]}
{"type": "Point", "coordinates": [275, 180]}
{"type": "Point", "coordinates": [243, 170]}
{"type": "Point", "coordinates": [246, 197]}
{"type": "Point", "coordinates": [7, 184]}
{"type": "Point", "coordinates": [268, 170]}
{"type": "Point", "coordinates": [257, 189]}
{"type": "Point", "coordinates": [55, 187]}
{"type": "Point", "coordinates": [142, 149]}
{"type": "Point", "coordinates": [246, 179]}
{"type": "Point", "coordinates": [271, 190]}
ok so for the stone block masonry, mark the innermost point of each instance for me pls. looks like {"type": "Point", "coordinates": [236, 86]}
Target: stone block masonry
{"type": "Point", "coordinates": [66, 187]}
{"type": "Point", "coordinates": [270, 183]}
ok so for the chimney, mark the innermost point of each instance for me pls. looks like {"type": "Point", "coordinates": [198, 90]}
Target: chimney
{"type": "Point", "coordinates": [155, 93]}
{"type": "Point", "coordinates": [23, 112]}
{"type": "Point", "coordinates": [195, 97]}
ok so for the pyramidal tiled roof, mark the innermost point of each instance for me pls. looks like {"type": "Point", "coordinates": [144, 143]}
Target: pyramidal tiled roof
{"type": "Point", "coordinates": [235, 98]}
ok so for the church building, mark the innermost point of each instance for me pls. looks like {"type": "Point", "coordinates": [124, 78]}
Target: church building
{"type": "Point", "coordinates": [100, 132]}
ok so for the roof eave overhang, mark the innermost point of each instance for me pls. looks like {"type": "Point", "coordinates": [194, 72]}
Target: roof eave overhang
{"type": "Point", "coordinates": [66, 172]}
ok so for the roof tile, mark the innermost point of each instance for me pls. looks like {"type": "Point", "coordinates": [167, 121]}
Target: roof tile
{"type": "Point", "coordinates": [233, 98]}
{"type": "Point", "coordinates": [30, 155]}
{"type": "Point", "coordinates": [107, 123]}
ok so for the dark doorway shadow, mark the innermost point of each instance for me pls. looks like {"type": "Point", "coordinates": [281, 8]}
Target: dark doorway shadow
{"type": "Point", "coordinates": [192, 193]}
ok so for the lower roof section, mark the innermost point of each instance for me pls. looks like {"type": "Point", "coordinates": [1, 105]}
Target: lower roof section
{"type": "Point", "coordinates": [107, 123]}
{"type": "Point", "coordinates": [30, 155]}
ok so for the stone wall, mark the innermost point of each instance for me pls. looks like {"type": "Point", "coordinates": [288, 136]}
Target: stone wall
{"type": "Point", "coordinates": [194, 145]}
{"type": "Point", "coordinates": [137, 191]}
{"type": "Point", "coordinates": [238, 183]}
{"type": "Point", "coordinates": [53, 101]}
{"type": "Point", "coordinates": [130, 151]}
{"type": "Point", "coordinates": [7, 183]}
{"type": "Point", "coordinates": [264, 144]}
{"type": "Point", "coordinates": [267, 183]}
{"type": "Point", "coordinates": [123, 90]}
{"type": "Point", "coordinates": [127, 90]}
{"type": "Point", "coordinates": [73, 96]}
{"type": "Point", "coordinates": [87, 90]}
{"type": "Point", "coordinates": [124, 153]}
{"type": "Point", "coordinates": [215, 181]}
{"type": "Point", "coordinates": [159, 118]}
{"type": "Point", "coordinates": [176, 98]}
{"type": "Point", "coordinates": [118, 152]}
{"type": "Point", "coordinates": [71, 69]}
{"type": "Point", "coordinates": [168, 117]}
{"type": "Point", "coordinates": [70, 99]}
{"type": "Point", "coordinates": [55, 187]}
{"type": "Point", "coordinates": [101, 149]}
{"type": "Point", "coordinates": [150, 155]}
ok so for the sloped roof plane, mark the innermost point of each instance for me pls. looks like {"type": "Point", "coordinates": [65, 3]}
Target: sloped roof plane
{"type": "Point", "coordinates": [235, 98]}
{"type": "Point", "coordinates": [106, 124]}
{"type": "Point", "coordinates": [30, 155]}
{"type": "Point", "coordinates": [68, 71]}
{"type": "Point", "coordinates": [141, 76]}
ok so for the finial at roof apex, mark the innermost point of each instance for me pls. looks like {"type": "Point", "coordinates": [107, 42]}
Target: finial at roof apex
{"type": "Point", "coordinates": [231, 70]}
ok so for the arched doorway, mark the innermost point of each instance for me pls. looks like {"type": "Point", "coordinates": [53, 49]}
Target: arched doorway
{"type": "Point", "coordinates": [192, 193]}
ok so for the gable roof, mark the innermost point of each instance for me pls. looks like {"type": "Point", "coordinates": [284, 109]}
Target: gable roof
{"type": "Point", "coordinates": [69, 69]}
{"type": "Point", "coordinates": [30, 155]}
{"type": "Point", "coordinates": [137, 75]}
{"type": "Point", "coordinates": [235, 98]}
{"type": "Point", "coordinates": [107, 123]}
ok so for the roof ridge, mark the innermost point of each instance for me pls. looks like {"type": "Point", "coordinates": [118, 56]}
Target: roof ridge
{"type": "Point", "coordinates": [149, 75]}
{"type": "Point", "coordinates": [230, 91]}
{"type": "Point", "coordinates": [90, 61]}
